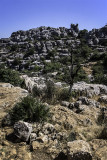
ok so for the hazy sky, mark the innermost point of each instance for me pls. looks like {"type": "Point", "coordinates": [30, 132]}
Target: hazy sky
{"type": "Point", "coordinates": [26, 14]}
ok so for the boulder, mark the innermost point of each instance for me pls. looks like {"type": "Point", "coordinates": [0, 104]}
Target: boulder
{"type": "Point", "coordinates": [35, 84]}
{"type": "Point", "coordinates": [22, 130]}
{"type": "Point", "coordinates": [78, 149]}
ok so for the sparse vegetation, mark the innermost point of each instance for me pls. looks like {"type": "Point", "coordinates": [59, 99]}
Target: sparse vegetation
{"type": "Point", "coordinates": [51, 67]}
{"type": "Point", "coordinates": [30, 110]}
{"type": "Point", "coordinates": [10, 76]}
{"type": "Point", "coordinates": [99, 72]}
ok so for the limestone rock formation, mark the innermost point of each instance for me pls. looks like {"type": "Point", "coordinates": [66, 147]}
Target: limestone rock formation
{"type": "Point", "coordinates": [89, 89]}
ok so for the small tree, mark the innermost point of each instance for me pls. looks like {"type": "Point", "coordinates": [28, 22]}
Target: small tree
{"type": "Point", "coordinates": [73, 72]}
{"type": "Point", "coordinates": [76, 62]}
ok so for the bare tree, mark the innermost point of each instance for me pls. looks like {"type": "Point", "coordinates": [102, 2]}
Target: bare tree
{"type": "Point", "coordinates": [73, 70]}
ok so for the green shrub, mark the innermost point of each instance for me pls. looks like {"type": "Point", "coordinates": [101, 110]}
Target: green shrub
{"type": "Point", "coordinates": [105, 61]}
{"type": "Point", "coordinates": [16, 62]}
{"type": "Point", "coordinates": [27, 64]}
{"type": "Point", "coordinates": [71, 137]}
{"type": "Point", "coordinates": [82, 34]}
{"type": "Point", "coordinates": [50, 90]}
{"type": "Point", "coordinates": [63, 94]}
{"type": "Point", "coordinates": [100, 79]}
{"type": "Point", "coordinates": [51, 54]}
{"type": "Point", "coordinates": [95, 56]}
{"type": "Point", "coordinates": [10, 76]}
{"type": "Point", "coordinates": [81, 76]}
{"type": "Point", "coordinates": [51, 67]}
{"type": "Point", "coordinates": [100, 72]}
{"type": "Point", "coordinates": [30, 110]}
{"type": "Point", "coordinates": [14, 48]}
{"type": "Point", "coordinates": [37, 68]}
{"type": "Point", "coordinates": [85, 50]}
{"type": "Point", "coordinates": [29, 52]}
{"type": "Point", "coordinates": [54, 95]}
{"type": "Point", "coordinates": [36, 92]}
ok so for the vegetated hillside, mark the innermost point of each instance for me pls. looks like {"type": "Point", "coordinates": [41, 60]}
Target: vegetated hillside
{"type": "Point", "coordinates": [49, 123]}
{"type": "Point", "coordinates": [47, 50]}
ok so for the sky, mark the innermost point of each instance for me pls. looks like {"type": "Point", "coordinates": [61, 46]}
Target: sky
{"type": "Point", "coordinates": [27, 14]}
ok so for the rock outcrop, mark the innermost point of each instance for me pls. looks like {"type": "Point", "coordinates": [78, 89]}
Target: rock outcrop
{"type": "Point", "coordinates": [89, 89]}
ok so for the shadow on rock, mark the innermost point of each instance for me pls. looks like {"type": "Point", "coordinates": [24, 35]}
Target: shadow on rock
{"type": "Point", "coordinates": [81, 156]}
{"type": "Point", "coordinates": [12, 138]}
{"type": "Point", "coordinates": [61, 156]}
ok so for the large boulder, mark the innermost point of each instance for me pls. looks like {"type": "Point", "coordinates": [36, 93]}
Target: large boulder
{"type": "Point", "coordinates": [78, 150]}
{"type": "Point", "coordinates": [35, 83]}
{"type": "Point", "coordinates": [89, 89]}
{"type": "Point", "coordinates": [22, 130]}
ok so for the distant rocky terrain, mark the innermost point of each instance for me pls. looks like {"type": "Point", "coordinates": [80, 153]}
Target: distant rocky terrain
{"type": "Point", "coordinates": [36, 63]}
{"type": "Point", "coordinates": [27, 49]}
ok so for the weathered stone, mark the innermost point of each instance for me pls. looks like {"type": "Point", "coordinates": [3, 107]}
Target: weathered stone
{"type": "Point", "coordinates": [22, 130]}
{"type": "Point", "coordinates": [79, 149]}
{"type": "Point", "coordinates": [89, 89]}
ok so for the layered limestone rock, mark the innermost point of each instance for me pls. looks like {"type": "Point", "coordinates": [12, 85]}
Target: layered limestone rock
{"type": "Point", "coordinates": [89, 89]}
{"type": "Point", "coordinates": [25, 49]}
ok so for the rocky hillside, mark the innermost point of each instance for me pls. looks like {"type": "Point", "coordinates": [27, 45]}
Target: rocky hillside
{"type": "Point", "coordinates": [29, 49]}
{"type": "Point", "coordinates": [74, 130]}
{"type": "Point", "coordinates": [45, 121]}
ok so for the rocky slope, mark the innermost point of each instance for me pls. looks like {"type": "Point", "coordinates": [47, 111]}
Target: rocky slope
{"type": "Point", "coordinates": [73, 130]}
{"type": "Point", "coordinates": [76, 128]}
